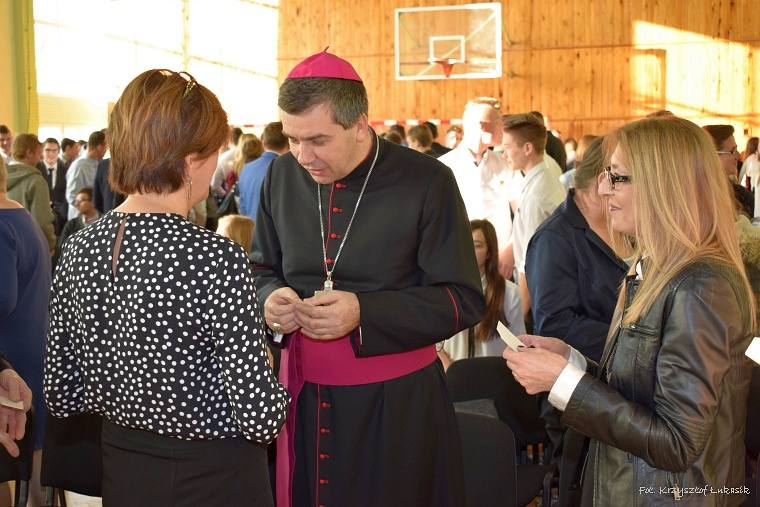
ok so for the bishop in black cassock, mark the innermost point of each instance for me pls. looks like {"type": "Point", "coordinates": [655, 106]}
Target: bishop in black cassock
{"type": "Point", "coordinates": [371, 423]}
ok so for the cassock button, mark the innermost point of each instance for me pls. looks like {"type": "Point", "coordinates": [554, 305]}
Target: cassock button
{"type": "Point", "coordinates": [324, 431]}
{"type": "Point", "coordinates": [330, 261]}
{"type": "Point", "coordinates": [337, 210]}
{"type": "Point", "coordinates": [325, 404]}
{"type": "Point", "coordinates": [339, 185]}
{"type": "Point", "coordinates": [334, 236]}
{"type": "Point", "coordinates": [323, 482]}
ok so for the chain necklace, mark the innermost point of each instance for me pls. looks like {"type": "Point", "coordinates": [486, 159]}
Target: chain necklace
{"type": "Point", "coordinates": [328, 285]}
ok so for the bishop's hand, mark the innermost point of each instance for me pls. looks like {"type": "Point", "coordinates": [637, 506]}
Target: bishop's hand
{"type": "Point", "coordinates": [329, 315]}
{"type": "Point", "coordinates": [279, 310]}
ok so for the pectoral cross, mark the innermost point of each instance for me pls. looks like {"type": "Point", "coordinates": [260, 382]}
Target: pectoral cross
{"type": "Point", "coordinates": [327, 287]}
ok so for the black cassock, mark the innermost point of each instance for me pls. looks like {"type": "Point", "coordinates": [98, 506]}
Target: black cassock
{"type": "Point", "coordinates": [410, 260]}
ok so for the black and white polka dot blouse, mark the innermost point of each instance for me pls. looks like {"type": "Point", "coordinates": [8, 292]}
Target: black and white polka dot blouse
{"type": "Point", "coordinates": [171, 343]}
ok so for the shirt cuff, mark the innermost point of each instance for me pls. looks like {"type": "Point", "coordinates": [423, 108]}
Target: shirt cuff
{"type": "Point", "coordinates": [577, 359]}
{"type": "Point", "coordinates": [565, 385]}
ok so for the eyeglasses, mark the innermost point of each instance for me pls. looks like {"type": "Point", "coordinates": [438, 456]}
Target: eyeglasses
{"type": "Point", "coordinates": [734, 152]}
{"type": "Point", "coordinates": [613, 178]}
{"type": "Point", "coordinates": [80, 201]}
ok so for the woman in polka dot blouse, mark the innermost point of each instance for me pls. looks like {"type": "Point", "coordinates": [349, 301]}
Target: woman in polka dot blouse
{"type": "Point", "coordinates": [154, 321]}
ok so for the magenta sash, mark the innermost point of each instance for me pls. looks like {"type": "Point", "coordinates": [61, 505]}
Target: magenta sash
{"type": "Point", "coordinates": [331, 363]}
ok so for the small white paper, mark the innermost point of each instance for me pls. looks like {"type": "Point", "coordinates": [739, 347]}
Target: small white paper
{"type": "Point", "coordinates": [18, 405]}
{"type": "Point", "coordinates": [507, 337]}
{"type": "Point", "coordinates": [753, 351]}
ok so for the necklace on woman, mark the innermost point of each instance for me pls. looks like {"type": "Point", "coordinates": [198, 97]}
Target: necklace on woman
{"type": "Point", "coordinates": [328, 284]}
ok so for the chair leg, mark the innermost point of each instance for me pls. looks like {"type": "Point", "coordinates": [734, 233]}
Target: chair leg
{"type": "Point", "coordinates": [62, 497]}
{"type": "Point", "coordinates": [50, 500]}
{"type": "Point", "coordinates": [22, 493]}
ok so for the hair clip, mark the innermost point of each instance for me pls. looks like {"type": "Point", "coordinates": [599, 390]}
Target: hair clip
{"type": "Point", "coordinates": [190, 85]}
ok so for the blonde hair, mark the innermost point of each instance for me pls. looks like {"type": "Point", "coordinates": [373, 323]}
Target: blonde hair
{"type": "Point", "coordinates": [249, 147]}
{"type": "Point", "coordinates": [239, 228]}
{"type": "Point", "coordinates": [683, 202]}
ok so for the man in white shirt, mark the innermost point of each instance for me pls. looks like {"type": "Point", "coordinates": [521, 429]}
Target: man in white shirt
{"type": "Point", "coordinates": [482, 175]}
{"type": "Point", "coordinates": [81, 174]}
{"type": "Point", "coordinates": [224, 164]}
{"type": "Point", "coordinates": [524, 142]}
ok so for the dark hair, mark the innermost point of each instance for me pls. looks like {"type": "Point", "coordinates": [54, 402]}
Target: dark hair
{"type": "Point", "coordinates": [272, 137]}
{"type": "Point", "coordinates": [347, 99]}
{"type": "Point", "coordinates": [719, 133]}
{"type": "Point", "coordinates": [393, 137]}
{"type": "Point", "coordinates": [66, 142]}
{"type": "Point", "coordinates": [588, 168]}
{"type": "Point", "coordinates": [527, 129]}
{"type": "Point", "coordinates": [495, 284]}
{"type": "Point", "coordinates": [399, 129]}
{"type": "Point", "coordinates": [433, 128]}
{"type": "Point", "coordinates": [235, 134]}
{"type": "Point", "coordinates": [161, 118]}
{"type": "Point", "coordinates": [421, 134]}
{"type": "Point", "coordinates": [539, 116]}
{"type": "Point", "coordinates": [4, 129]}
{"type": "Point", "coordinates": [52, 140]}
{"type": "Point", "coordinates": [752, 145]}
{"type": "Point", "coordinates": [85, 190]}
{"type": "Point", "coordinates": [96, 139]}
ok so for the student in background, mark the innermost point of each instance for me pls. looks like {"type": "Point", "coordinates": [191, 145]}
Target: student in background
{"type": "Point", "coordinates": [502, 303]}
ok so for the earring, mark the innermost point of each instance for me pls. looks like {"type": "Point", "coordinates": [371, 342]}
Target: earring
{"type": "Point", "coordinates": [189, 193]}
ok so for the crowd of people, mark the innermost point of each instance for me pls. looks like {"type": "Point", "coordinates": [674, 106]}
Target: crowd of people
{"type": "Point", "coordinates": [360, 265]}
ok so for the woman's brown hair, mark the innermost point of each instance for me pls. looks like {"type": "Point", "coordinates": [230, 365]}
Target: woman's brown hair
{"type": "Point", "coordinates": [162, 117]}
{"type": "Point", "coordinates": [495, 285]}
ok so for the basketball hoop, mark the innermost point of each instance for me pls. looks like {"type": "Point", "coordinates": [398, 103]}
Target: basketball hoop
{"type": "Point", "coordinates": [447, 64]}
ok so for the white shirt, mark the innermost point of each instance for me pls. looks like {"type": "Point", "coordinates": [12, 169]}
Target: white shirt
{"type": "Point", "coordinates": [485, 188]}
{"type": "Point", "coordinates": [457, 347]}
{"type": "Point", "coordinates": [745, 168]}
{"type": "Point", "coordinates": [753, 171]}
{"type": "Point", "coordinates": [52, 170]}
{"type": "Point", "coordinates": [541, 194]}
{"type": "Point", "coordinates": [223, 168]}
{"type": "Point", "coordinates": [81, 174]}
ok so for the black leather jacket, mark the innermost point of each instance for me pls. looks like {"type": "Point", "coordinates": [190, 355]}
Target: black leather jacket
{"type": "Point", "coordinates": [666, 406]}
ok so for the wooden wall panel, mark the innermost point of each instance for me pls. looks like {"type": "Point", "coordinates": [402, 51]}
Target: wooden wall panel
{"type": "Point", "coordinates": [588, 65]}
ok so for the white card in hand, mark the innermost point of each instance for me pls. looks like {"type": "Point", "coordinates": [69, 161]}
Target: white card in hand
{"type": "Point", "coordinates": [507, 337]}
{"type": "Point", "coordinates": [753, 351]}
{"type": "Point", "coordinates": [6, 402]}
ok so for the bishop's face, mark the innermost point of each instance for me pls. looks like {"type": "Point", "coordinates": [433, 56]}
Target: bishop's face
{"type": "Point", "coordinates": [326, 150]}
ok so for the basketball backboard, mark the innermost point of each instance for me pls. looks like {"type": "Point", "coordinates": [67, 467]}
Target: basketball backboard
{"type": "Point", "coordinates": [461, 41]}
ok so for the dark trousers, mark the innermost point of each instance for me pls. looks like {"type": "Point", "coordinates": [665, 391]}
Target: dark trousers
{"type": "Point", "coordinates": [146, 469]}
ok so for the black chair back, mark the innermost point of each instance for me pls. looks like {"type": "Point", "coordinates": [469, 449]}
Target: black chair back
{"type": "Point", "coordinates": [488, 452]}
{"type": "Point", "coordinates": [489, 378]}
{"type": "Point", "coordinates": [72, 460]}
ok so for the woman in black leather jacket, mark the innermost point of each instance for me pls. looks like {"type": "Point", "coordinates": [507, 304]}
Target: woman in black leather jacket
{"type": "Point", "coordinates": [665, 407]}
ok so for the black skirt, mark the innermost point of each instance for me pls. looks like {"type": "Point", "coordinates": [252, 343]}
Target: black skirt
{"type": "Point", "coordinates": [146, 469]}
